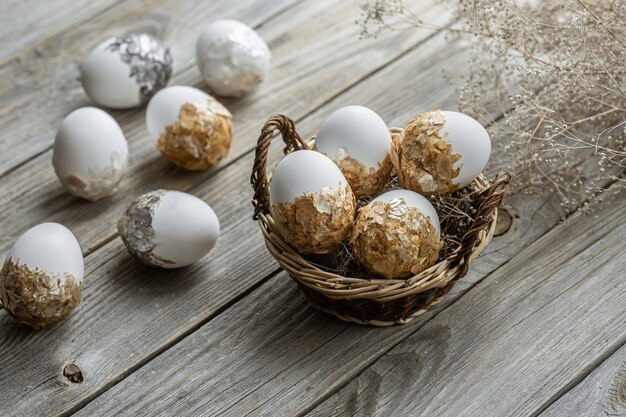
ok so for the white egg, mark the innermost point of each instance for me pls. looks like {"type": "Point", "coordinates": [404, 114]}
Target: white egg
{"type": "Point", "coordinates": [192, 129]}
{"type": "Point", "coordinates": [169, 229]}
{"type": "Point", "coordinates": [413, 199]}
{"type": "Point", "coordinates": [41, 277]}
{"type": "Point", "coordinates": [125, 71]}
{"type": "Point", "coordinates": [311, 202]}
{"type": "Point", "coordinates": [397, 235]}
{"type": "Point", "coordinates": [440, 151]}
{"type": "Point", "coordinates": [233, 58]}
{"type": "Point", "coordinates": [358, 141]}
{"type": "Point", "coordinates": [469, 139]}
{"type": "Point", "coordinates": [90, 153]}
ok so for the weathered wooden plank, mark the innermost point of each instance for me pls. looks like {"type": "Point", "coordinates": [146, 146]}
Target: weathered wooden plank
{"type": "Point", "coordinates": [25, 23]}
{"type": "Point", "coordinates": [40, 88]}
{"type": "Point", "coordinates": [271, 355]}
{"type": "Point", "coordinates": [115, 280]}
{"type": "Point", "coordinates": [601, 393]}
{"type": "Point", "coordinates": [364, 344]}
{"type": "Point", "coordinates": [516, 340]}
{"type": "Point", "coordinates": [162, 310]}
{"type": "Point", "coordinates": [306, 74]}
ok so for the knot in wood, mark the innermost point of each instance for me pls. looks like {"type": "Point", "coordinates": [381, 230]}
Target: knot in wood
{"type": "Point", "coordinates": [73, 373]}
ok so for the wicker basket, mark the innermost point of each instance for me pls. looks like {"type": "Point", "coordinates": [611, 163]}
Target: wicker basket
{"type": "Point", "coordinates": [378, 302]}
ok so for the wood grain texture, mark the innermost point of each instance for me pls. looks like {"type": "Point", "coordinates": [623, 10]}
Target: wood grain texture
{"type": "Point", "coordinates": [26, 23]}
{"type": "Point", "coordinates": [116, 288]}
{"type": "Point", "coordinates": [277, 365]}
{"type": "Point", "coordinates": [305, 75]}
{"type": "Point", "coordinates": [271, 355]}
{"type": "Point", "coordinates": [198, 340]}
{"type": "Point", "coordinates": [601, 393]}
{"type": "Point", "coordinates": [514, 342]}
{"type": "Point", "coordinates": [39, 89]}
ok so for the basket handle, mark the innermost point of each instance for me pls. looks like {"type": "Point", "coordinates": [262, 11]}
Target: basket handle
{"type": "Point", "coordinates": [259, 181]}
{"type": "Point", "coordinates": [490, 200]}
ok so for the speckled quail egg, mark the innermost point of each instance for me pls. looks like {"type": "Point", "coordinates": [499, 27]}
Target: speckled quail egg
{"type": "Point", "coordinates": [440, 151]}
{"type": "Point", "coordinates": [125, 71]}
{"type": "Point", "coordinates": [90, 153]}
{"type": "Point", "coordinates": [358, 141]}
{"type": "Point", "coordinates": [169, 229]}
{"type": "Point", "coordinates": [397, 235]}
{"type": "Point", "coordinates": [192, 129]}
{"type": "Point", "coordinates": [233, 58]}
{"type": "Point", "coordinates": [41, 277]}
{"type": "Point", "coordinates": [311, 202]}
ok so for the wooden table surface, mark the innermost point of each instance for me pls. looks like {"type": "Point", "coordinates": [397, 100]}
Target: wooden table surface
{"type": "Point", "coordinates": [536, 328]}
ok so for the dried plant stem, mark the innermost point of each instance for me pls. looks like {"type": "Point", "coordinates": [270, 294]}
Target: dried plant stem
{"type": "Point", "coordinates": [566, 59]}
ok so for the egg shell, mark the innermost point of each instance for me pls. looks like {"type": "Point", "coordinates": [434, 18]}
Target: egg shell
{"type": "Point", "coordinates": [396, 235]}
{"type": "Point", "coordinates": [124, 72]}
{"type": "Point", "coordinates": [51, 248]}
{"type": "Point", "coordinates": [169, 229]}
{"type": "Point", "coordinates": [413, 199]}
{"type": "Point", "coordinates": [303, 172]}
{"type": "Point", "coordinates": [360, 131]}
{"type": "Point", "coordinates": [311, 202]}
{"type": "Point", "coordinates": [164, 107]}
{"type": "Point", "coordinates": [233, 59]}
{"type": "Point", "coordinates": [90, 153]}
{"type": "Point", "coordinates": [469, 139]}
{"type": "Point", "coordinates": [40, 279]}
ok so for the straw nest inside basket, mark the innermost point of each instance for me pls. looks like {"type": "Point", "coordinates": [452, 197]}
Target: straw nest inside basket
{"type": "Point", "coordinates": [456, 213]}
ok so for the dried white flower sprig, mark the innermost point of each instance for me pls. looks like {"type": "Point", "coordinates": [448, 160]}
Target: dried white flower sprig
{"type": "Point", "coordinates": [551, 75]}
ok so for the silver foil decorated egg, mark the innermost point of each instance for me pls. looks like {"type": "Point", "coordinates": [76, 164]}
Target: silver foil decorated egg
{"type": "Point", "coordinates": [124, 72]}
{"type": "Point", "coordinates": [233, 58]}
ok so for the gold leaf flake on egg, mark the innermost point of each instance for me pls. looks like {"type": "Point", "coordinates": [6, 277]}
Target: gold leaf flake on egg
{"type": "Point", "coordinates": [423, 158]}
{"type": "Point", "coordinates": [316, 222]}
{"type": "Point", "coordinates": [36, 298]}
{"type": "Point", "coordinates": [394, 240]}
{"type": "Point", "coordinates": [200, 137]}
{"type": "Point", "coordinates": [364, 181]}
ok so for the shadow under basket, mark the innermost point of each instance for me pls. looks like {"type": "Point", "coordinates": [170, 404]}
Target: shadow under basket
{"type": "Point", "coordinates": [374, 301]}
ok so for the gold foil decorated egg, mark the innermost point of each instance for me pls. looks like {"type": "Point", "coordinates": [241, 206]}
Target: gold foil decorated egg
{"type": "Point", "coordinates": [191, 129]}
{"type": "Point", "coordinates": [439, 152]}
{"type": "Point", "coordinates": [311, 202]}
{"type": "Point", "coordinates": [200, 137]}
{"type": "Point", "coordinates": [396, 235]}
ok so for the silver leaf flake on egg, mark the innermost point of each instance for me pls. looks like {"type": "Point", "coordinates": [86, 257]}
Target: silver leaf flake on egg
{"type": "Point", "coordinates": [316, 222]}
{"type": "Point", "coordinates": [135, 228]}
{"type": "Point", "coordinates": [149, 61]}
{"type": "Point", "coordinates": [233, 59]}
{"type": "Point", "coordinates": [125, 71]}
{"type": "Point", "coordinates": [200, 137]}
{"type": "Point", "coordinates": [169, 229]}
{"type": "Point", "coordinates": [392, 239]}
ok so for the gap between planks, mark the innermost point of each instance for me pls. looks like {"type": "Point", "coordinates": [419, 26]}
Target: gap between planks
{"type": "Point", "coordinates": [610, 349]}
{"type": "Point", "coordinates": [256, 285]}
{"type": "Point", "coordinates": [193, 350]}
{"type": "Point", "coordinates": [55, 32]}
{"type": "Point", "coordinates": [602, 392]}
